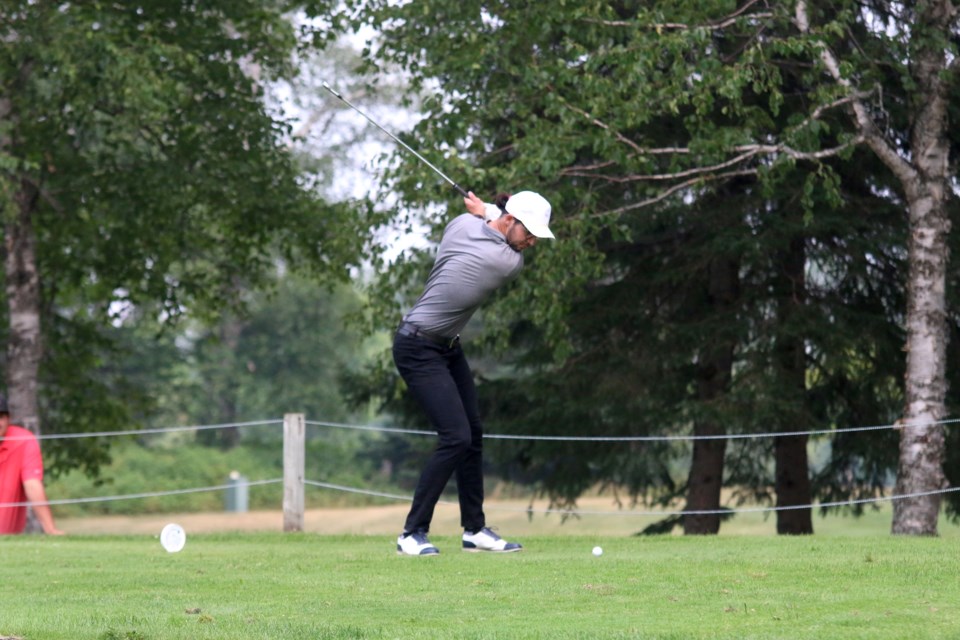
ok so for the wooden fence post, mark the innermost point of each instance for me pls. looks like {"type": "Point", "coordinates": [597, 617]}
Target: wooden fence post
{"type": "Point", "coordinates": [294, 441]}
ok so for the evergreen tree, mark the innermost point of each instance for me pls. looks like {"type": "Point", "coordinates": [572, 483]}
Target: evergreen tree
{"type": "Point", "coordinates": [632, 116]}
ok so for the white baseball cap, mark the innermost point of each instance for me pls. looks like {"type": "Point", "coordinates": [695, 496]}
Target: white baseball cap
{"type": "Point", "coordinates": [533, 211]}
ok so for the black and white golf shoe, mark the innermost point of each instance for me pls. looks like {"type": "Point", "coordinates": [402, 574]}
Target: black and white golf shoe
{"type": "Point", "coordinates": [415, 544]}
{"type": "Point", "coordinates": [487, 540]}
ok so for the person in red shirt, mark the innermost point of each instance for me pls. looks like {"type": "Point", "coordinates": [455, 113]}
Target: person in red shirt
{"type": "Point", "coordinates": [21, 477]}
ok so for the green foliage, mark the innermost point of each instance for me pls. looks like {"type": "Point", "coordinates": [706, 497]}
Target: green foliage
{"type": "Point", "coordinates": [165, 185]}
{"type": "Point", "coordinates": [86, 393]}
{"type": "Point", "coordinates": [138, 469]}
{"type": "Point", "coordinates": [680, 144]}
{"type": "Point", "coordinates": [174, 462]}
{"type": "Point", "coordinates": [286, 352]}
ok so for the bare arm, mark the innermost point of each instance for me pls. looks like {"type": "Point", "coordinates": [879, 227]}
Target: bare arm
{"type": "Point", "coordinates": [477, 207]}
{"type": "Point", "coordinates": [38, 497]}
{"type": "Point", "coordinates": [474, 205]}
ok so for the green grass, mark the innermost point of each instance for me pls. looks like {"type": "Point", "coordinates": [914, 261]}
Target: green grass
{"type": "Point", "coordinates": [308, 586]}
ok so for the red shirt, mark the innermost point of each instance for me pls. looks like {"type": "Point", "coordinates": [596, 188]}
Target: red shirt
{"type": "Point", "coordinates": [19, 461]}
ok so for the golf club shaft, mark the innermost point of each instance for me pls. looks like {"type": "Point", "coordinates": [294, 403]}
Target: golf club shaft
{"type": "Point", "coordinates": [460, 189]}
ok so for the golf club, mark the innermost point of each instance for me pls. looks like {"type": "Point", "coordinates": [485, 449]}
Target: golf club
{"type": "Point", "coordinates": [460, 189]}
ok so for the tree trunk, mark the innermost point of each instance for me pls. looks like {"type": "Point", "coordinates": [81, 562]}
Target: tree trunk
{"type": "Point", "coordinates": [924, 175]}
{"type": "Point", "coordinates": [792, 483]}
{"type": "Point", "coordinates": [713, 382]}
{"type": "Point", "coordinates": [922, 452]}
{"type": "Point", "coordinates": [922, 447]}
{"type": "Point", "coordinates": [705, 480]}
{"type": "Point", "coordinates": [24, 344]}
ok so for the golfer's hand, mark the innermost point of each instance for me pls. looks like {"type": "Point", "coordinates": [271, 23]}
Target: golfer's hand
{"type": "Point", "coordinates": [474, 205]}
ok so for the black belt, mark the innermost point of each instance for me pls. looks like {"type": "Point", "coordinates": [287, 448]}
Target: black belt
{"type": "Point", "coordinates": [413, 331]}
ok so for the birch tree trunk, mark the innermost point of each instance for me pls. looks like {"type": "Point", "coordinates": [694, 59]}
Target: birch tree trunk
{"type": "Point", "coordinates": [922, 449]}
{"type": "Point", "coordinates": [922, 446]}
{"type": "Point", "coordinates": [924, 177]}
{"type": "Point", "coordinates": [24, 345]}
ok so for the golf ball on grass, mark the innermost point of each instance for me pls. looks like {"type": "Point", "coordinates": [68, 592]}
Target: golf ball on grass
{"type": "Point", "coordinates": [173, 537]}
{"type": "Point", "coordinates": [598, 551]}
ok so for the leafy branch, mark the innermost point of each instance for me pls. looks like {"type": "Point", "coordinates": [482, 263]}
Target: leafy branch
{"type": "Point", "coordinates": [866, 125]}
{"type": "Point", "coordinates": [722, 23]}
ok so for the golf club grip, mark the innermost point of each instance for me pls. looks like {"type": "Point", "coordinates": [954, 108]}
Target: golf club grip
{"type": "Point", "coordinates": [461, 190]}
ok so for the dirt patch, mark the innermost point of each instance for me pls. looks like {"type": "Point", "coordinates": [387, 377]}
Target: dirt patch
{"type": "Point", "coordinates": [508, 516]}
{"type": "Point", "coordinates": [359, 520]}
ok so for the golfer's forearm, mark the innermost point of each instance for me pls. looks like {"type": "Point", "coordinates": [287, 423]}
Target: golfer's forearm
{"type": "Point", "coordinates": [474, 205]}
{"type": "Point", "coordinates": [45, 517]}
{"type": "Point", "coordinates": [37, 496]}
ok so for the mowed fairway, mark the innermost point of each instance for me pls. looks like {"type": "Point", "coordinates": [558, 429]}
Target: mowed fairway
{"type": "Point", "coordinates": [310, 586]}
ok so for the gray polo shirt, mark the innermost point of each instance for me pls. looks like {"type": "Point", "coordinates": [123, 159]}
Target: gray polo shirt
{"type": "Point", "coordinates": [473, 261]}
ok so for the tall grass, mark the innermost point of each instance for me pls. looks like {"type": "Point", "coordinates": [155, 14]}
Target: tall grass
{"type": "Point", "coordinates": [306, 586]}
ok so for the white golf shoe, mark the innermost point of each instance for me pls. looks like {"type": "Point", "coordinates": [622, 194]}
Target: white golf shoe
{"type": "Point", "coordinates": [487, 540]}
{"type": "Point", "coordinates": [415, 544]}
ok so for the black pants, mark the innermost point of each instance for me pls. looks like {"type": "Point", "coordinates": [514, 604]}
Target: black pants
{"type": "Point", "coordinates": [439, 378]}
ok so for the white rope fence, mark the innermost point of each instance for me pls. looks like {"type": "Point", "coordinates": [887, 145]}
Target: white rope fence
{"type": "Point", "coordinates": [493, 507]}
{"type": "Point", "coordinates": [652, 513]}
{"type": "Point", "coordinates": [504, 436]}
{"type": "Point", "coordinates": [140, 432]}
{"type": "Point", "coordinates": [666, 438]}
{"type": "Point", "coordinates": [147, 494]}
{"type": "Point", "coordinates": [528, 509]}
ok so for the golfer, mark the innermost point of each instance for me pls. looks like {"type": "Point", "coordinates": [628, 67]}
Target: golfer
{"type": "Point", "coordinates": [479, 252]}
